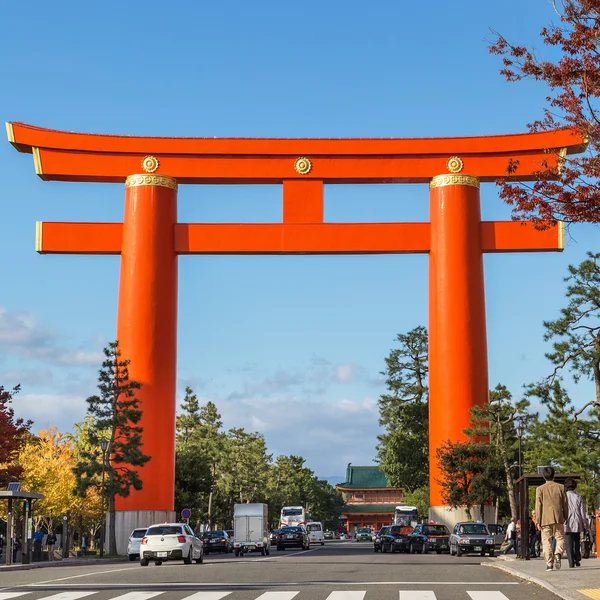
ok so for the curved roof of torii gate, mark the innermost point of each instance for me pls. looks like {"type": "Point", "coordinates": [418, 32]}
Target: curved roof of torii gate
{"type": "Point", "coordinates": [69, 156]}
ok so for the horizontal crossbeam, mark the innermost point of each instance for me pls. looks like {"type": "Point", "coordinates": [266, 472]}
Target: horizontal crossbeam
{"type": "Point", "coordinates": [295, 238]}
{"type": "Point", "coordinates": [67, 156]}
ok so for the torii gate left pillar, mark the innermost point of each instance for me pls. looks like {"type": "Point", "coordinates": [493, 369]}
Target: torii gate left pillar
{"type": "Point", "coordinates": [150, 239]}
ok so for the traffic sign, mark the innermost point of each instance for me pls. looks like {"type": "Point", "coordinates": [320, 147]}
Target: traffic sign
{"type": "Point", "coordinates": [186, 513]}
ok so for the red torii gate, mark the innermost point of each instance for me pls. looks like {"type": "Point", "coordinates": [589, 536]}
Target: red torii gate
{"type": "Point", "coordinates": [150, 239]}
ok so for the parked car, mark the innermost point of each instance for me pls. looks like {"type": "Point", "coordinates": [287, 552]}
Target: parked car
{"type": "Point", "coordinates": [429, 537]}
{"type": "Point", "coordinates": [134, 542]}
{"type": "Point", "coordinates": [328, 535]}
{"type": "Point", "coordinates": [396, 539]}
{"type": "Point", "coordinates": [170, 541]}
{"type": "Point", "coordinates": [217, 541]}
{"type": "Point", "coordinates": [364, 534]}
{"type": "Point", "coordinates": [377, 538]}
{"type": "Point", "coordinates": [499, 532]}
{"type": "Point", "coordinates": [469, 538]}
{"type": "Point", "coordinates": [293, 537]}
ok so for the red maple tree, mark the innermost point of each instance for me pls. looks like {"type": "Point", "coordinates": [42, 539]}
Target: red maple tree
{"type": "Point", "coordinates": [570, 191]}
{"type": "Point", "coordinates": [13, 433]}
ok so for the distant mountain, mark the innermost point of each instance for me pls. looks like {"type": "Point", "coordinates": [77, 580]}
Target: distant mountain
{"type": "Point", "coordinates": [334, 479]}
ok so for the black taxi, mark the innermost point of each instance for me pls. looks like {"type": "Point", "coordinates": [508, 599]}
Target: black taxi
{"type": "Point", "coordinates": [429, 537]}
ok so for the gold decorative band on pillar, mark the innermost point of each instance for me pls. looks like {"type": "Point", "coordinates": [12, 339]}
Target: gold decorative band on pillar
{"type": "Point", "coordinates": [160, 180]}
{"type": "Point", "coordinates": [454, 179]}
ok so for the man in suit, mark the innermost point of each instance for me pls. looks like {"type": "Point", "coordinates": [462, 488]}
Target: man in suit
{"type": "Point", "coordinates": [552, 510]}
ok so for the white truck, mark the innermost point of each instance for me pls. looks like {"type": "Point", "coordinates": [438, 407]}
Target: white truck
{"type": "Point", "coordinates": [251, 528]}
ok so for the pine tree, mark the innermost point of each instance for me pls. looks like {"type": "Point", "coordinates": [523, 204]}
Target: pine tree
{"type": "Point", "coordinates": [116, 416]}
{"type": "Point", "coordinates": [403, 448]}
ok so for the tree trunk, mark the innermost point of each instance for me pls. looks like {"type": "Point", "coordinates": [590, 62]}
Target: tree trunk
{"type": "Point", "coordinates": [468, 509]}
{"type": "Point", "coordinates": [209, 510]}
{"type": "Point", "coordinates": [497, 510]}
{"type": "Point", "coordinates": [112, 533]}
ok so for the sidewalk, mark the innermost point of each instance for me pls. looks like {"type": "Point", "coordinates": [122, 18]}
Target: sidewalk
{"type": "Point", "coordinates": [65, 562]}
{"type": "Point", "coordinates": [580, 583]}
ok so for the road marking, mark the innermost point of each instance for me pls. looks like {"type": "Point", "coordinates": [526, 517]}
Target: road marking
{"type": "Point", "coordinates": [69, 595]}
{"type": "Point", "coordinates": [7, 595]}
{"type": "Point", "coordinates": [41, 583]}
{"type": "Point", "coordinates": [136, 596]}
{"type": "Point", "coordinates": [277, 596]}
{"type": "Point", "coordinates": [487, 595]}
{"type": "Point", "coordinates": [346, 596]}
{"type": "Point", "coordinates": [206, 596]}
{"type": "Point", "coordinates": [417, 595]}
{"type": "Point", "coordinates": [592, 593]}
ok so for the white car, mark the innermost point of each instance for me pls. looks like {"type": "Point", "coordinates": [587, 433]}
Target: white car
{"type": "Point", "coordinates": [170, 541]}
{"type": "Point", "coordinates": [134, 541]}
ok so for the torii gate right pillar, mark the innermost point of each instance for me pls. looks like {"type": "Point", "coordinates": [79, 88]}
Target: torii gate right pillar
{"type": "Point", "coordinates": [458, 370]}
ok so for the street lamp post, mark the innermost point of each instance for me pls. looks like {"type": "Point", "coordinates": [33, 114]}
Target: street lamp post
{"type": "Point", "coordinates": [103, 447]}
{"type": "Point", "coordinates": [520, 431]}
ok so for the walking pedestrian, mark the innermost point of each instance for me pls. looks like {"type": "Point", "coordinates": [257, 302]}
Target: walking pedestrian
{"type": "Point", "coordinates": [510, 537]}
{"type": "Point", "coordinates": [552, 509]}
{"type": "Point", "coordinates": [38, 540]}
{"type": "Point", "coordinates": [576, 523]}
{"type": "Point", "coordinates": [83, 545]}
{"type": "Point", "coordinates": [50, 543]}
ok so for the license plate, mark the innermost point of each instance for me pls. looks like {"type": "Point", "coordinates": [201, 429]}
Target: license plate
{"type": "Point", "coordinates": [252, 547]}
{"type": "Point", "coordinates": [290, 536]}
{"type": "Point", "coordinates": [477, 548]}
{"type": "Point", "coordinates": [162, 554]}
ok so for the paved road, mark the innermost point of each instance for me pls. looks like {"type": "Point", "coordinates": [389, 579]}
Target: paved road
{"type": "Point", "coordinates": [337, 571]}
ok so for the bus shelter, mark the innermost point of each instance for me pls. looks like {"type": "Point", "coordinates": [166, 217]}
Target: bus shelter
{"type": "Point", "coordinates": [28, 498]}
{"type": "Point", "coordinates": [522, 493]}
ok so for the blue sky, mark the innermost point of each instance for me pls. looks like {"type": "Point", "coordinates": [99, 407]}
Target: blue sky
{"type": "Point", "coordinates": [289, 346]}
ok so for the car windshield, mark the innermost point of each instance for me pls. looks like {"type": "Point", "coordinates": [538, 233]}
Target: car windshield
{"type": "Point", "coordinates": [495, 528]}
{"type": "Point", "coordinates": [314, 528]}
{"type": "Point", "coordinates": [290, 530]}
{"type": "Point", "coordinates": [363, 530]}
{"type": "Point", "coordinates": [435, 530]}
{"type": "Point", "coordinates": [214, 534]}
{"type": "Point", "coordinates": [138, 533]}
{"type": "Point", "coordinates": [473, 528]}
{"type": "Point", "coordinates": [291, 512]}
{"type": "Point", "coordinates": [165, 530]}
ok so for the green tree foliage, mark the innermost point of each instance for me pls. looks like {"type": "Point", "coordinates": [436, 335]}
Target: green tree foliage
{"type": "Point", "coordinates": [115, 413]}
{"type": "Point", "coordinates": [13, 434]}
{"type": "Point", "coordinates": [576, 333]}
{"type": "Point", "coordinates": [419, 497]}
{"type": "Point", "coordinates": [571, 446]}
{"type": "Point", "coordinates": [471, 475]}
{"type": "Point", "coordinates": [496, 421]}
{"type": "Point", "coordinates": [402, 451]}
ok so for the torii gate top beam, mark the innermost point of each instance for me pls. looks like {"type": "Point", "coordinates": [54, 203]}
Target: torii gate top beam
{"type": "Point", "coordinates": [67, 156]}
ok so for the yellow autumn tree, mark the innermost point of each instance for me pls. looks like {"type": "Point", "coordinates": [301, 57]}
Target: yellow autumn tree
{"type": "Point", "coordinates": [48, 460]}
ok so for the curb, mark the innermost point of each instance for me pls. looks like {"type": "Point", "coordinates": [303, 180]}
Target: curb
{"type": "Point", "coordinates": [530, 578]}
{"type": "Point", "coordinates": [65, 562]}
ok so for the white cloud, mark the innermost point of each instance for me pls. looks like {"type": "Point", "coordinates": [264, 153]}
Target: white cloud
{"type": "Point", "coordinates": [60, 410]}
{"type": "Point", "coordinates": [23, 336]}
{"type": "Point", "coordinates": [344, 373]}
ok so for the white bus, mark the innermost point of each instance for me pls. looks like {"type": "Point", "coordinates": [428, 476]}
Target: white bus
{"type": "Point", "coordinates": [405, 515]}
{"type": "Point", "coordinates": [292, 515]}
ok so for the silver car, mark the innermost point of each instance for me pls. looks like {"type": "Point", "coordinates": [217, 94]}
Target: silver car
{"type": "Point", "coordinates": [469, 538]}
{"type": "Point", "coordinates": [133, 544]}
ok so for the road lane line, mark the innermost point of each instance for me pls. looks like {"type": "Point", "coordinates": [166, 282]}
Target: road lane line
{"type": "Point", "coordinates": [417, 595]}
{"type": "Point", "coordinates": [487, 595]}
{"type": "Point", "coordinates": [268, 584]}
{"type": "Point", "coordinates": [8, 595]}
{"type": "Point", "coordinates": [40, 583]}
{"type": "Point", "coordinates": [277, 596]}
{"type": "Point", "coordinates": [207, 596]}
{"type": "Point", "coordinates": [346, 595]}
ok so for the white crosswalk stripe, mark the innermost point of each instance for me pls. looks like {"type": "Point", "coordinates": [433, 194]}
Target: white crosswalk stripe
{"type": "Point", "coordinates": [353, 595]}
{"type": "Point", "coordinates": [206, 596]}
{"type": "Point", "coordinates": [417, 595]}
{"type": "Point", "coordinates": [9, 595]}
{"type": "Point", "coordinates": [491, 595]}
{"type": "Point", "coordinates": [68, 595]}
{"type": "Point", "coordinates": [277, 596]}
{"type": "Point", "coordinates": [137, 596]}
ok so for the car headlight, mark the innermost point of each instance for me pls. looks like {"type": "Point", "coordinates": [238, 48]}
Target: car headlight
{"type": "Point", "coordinates": [463, 541]}
{"type": "Point", "coordinates": [489, 541]}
